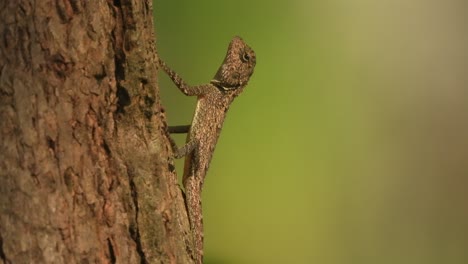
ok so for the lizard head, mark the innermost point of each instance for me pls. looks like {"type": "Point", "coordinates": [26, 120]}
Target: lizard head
{"type": "Point", "coordinates": [237, 67]}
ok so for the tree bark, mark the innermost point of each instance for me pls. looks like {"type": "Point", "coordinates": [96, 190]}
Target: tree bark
{"type": "Point", "coordinates": [85, 168]}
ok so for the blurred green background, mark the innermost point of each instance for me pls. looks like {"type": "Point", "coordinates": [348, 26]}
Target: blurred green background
{"type": "Point", "coordinates": [350, 143]}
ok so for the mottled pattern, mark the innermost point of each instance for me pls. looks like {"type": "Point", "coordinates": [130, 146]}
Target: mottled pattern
{"type": "Point", "coordinates": [213, 102]}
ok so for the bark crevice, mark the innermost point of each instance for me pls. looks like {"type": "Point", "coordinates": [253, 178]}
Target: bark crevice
{"type": "Point", "coordinates": [134, 230]}
{"type": "Point", "coordinates": [112, 256]}
{"type": "Point", "coordinates": [2, 253]}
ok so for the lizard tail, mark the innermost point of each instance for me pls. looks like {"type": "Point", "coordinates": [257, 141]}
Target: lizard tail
{"type": "Point", "coordinates": [194, 207]}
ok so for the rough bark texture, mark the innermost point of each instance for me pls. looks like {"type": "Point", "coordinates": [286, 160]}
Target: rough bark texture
{"type": "Point", "coordinates": [85, 168]}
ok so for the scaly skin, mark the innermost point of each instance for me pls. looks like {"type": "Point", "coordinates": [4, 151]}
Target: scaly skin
{"type": "Point", "coordinates": [213, 102]}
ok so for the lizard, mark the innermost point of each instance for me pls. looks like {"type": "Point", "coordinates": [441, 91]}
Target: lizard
{"type": "Point", "coordinates": [213, 101]}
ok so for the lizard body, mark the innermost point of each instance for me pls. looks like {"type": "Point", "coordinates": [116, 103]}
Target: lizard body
{"type": "Point", "coordinates": [213, 102]}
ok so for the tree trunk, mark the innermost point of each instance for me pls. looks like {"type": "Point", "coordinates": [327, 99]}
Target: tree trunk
{"type": "Point", "coordinates": [85, 168]}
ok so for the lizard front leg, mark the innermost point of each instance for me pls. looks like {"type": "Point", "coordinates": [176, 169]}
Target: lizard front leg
{"type": "Point", "coordinates": [182, 85]}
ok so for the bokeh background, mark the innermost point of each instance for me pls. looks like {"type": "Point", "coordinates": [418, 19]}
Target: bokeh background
{"type": "Point", "coordinates": [350, 143]}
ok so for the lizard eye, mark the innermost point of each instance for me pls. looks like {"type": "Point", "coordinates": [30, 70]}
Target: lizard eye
{"type": "Point", "coordinates": [245, 57]}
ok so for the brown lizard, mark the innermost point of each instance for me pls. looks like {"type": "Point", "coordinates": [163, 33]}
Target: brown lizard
{"type": "Point", "coordinates": [213, 102]}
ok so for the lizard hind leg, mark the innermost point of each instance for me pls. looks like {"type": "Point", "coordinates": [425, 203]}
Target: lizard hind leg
{"type": "Point", "coordinates": [185, 149]}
